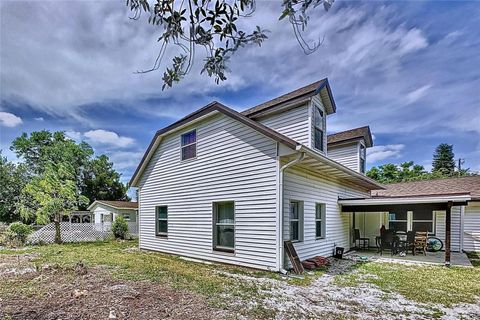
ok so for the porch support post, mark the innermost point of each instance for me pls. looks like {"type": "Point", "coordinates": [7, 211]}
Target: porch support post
{"type": "Point", "coordinates": [448, 221]}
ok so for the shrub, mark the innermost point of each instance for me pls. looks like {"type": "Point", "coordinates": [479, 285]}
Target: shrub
{"type": "Point", "coordinates": [120, 228]}
{"type": "Point", "coordinates": [17, 233]}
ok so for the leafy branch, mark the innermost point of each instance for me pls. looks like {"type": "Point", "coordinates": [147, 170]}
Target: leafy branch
{"type": "Point", "coordinates": [213, 26]}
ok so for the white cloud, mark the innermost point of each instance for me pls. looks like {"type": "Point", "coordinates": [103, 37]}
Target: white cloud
{"type": "Point", "coordinates": [377, 153]}
{"type": "Point", "coordinates": [39, 119]}
{"type": "Point", "coordinates": [74, 135]}
{"type": "Point", "coordinates": [418, 93]}
{"type": "Point", "coordinates": [125, 160]}
{"type": "Point", "coordinates": [101, 136]}
{"type": "Point", "coordinates": [10, 120]}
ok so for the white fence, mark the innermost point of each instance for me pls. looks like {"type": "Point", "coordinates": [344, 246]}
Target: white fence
{"type": "Point", "coordinates": [77, 232]}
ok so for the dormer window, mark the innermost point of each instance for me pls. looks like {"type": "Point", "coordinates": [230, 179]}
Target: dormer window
{"type": "Point", "coordinates": [363, 151]}
{"type": "Point", "coordinates": [318, 128]}
{"type": "Point", "coordinates": [189, 145]}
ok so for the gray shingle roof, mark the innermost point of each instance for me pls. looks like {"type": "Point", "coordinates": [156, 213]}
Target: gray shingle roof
{"type": "Point", "coordinates": [352, 134]}
{"type": "Point", "coordinates": [449, 186]}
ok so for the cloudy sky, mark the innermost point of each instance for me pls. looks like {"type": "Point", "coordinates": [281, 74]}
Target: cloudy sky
{"type": "Point", "coordinates": [410, 70]}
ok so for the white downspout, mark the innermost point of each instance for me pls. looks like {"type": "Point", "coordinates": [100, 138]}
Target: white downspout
{"type": "Point", "coordinates": [299, 158]}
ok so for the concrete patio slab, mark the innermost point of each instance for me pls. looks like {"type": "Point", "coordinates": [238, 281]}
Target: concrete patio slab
{"type": "Point", "coordinates": [432, 258]}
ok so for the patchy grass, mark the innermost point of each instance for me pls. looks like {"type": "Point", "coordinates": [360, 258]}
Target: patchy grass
{"type": "Point", "coordinates": [125, 262]}
{"type": "Point", "coordinates": [427, 284]}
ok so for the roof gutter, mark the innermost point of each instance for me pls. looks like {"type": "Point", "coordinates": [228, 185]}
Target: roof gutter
{"type": "Point", "coordinates": [298, 159]}
{"type": "Point", "coordinates": [403, 200]}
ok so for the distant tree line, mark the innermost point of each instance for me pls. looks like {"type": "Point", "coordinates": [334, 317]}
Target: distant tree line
{"type": "Point", "coordinates": [55, 175]}
{"type": "Point", "coordinates": [443, 166]}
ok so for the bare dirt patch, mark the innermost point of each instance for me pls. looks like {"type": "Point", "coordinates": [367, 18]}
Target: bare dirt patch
{"type": "Point", "coordinates": [52, 293]}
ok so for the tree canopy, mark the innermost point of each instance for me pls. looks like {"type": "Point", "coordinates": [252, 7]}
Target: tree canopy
{"type": "Point", "coordinates": [444, 159]}
{"type": "Point", "coordinates": [46, 158]}
{"type": "Point", "coordinates": [214, 27]}
{"type": "Point", "coordinates": [443, 167]}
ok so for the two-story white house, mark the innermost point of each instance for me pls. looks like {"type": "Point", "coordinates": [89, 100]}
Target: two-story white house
{"type": "Point", "coordinates": [231, 187]}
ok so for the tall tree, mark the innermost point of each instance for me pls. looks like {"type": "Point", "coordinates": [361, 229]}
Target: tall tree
{"type": "Point", "coordinates": [95, 177]}
{"type": "Point", "coordinates": [102, 182]}
{"type": "Point", "coordinates": [444, 160]}
{"type": "Point", "coordinates": [55, 193]}
{"type": "Point", "coordinates": [215, 27]}
{"type": "Point", "coordinates": [13, 178]}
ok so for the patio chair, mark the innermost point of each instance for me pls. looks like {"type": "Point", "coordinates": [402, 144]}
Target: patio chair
{"type": "Point", "coordinates": [421, 241]}
{"type": "Point", "coordinates": [387, 241]}
{"type": "Point", "coordinates": [363, 242]}
{"type": "Point", "coordinates": [410, 243]}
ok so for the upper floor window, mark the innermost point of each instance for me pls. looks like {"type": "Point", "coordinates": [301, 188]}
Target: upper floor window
{"type": "Point", "coordinates": [189, 145]}
{"type": "Point", "coordinates": [362, 158]}
{"type": "Point", "coordinates": [318, 128]}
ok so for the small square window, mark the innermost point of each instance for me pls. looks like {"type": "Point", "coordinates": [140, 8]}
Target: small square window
{"type": "Point", "coordinates": [189, 145]}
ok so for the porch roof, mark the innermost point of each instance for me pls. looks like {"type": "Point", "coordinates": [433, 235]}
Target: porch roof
{"type": "Point", "coordinates": [379, 204]}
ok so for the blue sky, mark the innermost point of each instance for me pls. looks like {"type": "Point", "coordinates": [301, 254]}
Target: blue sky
{"type": "Point", "coordinates": [410, 70]}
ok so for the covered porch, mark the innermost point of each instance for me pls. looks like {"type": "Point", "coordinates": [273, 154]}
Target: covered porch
{"type": "Point", "coordinates": [432, 214]}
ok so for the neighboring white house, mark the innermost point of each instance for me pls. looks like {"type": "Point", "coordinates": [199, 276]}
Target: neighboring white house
{"type": "Point", "coordinates": [105, 212]}
{"type": "Point", "coordinates": [231, 187]}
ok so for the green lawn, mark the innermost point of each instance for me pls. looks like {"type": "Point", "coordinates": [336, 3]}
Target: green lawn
{"type": "Point", "coordinates": [427, 284]}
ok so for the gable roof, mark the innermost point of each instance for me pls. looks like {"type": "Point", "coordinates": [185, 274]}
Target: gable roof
{"type": "Point", "coordinates": [321, 86]}
{"type": "Point", "coordinates": [449, 186]}
{"type": "Point", "coordinates": [209, 108]}
{"type": "Point", "coordinates": [352, 134]}
{"type": "Point", "coordinates": [276, 136]}
{"type": "Point", "coordinates": [115, 204]}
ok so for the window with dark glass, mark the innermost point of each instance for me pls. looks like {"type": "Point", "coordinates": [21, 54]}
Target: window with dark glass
{"type": "Point", "coordinates": [320, 220]}
{"type": "Point", "coordinates": [423, 221]}
{"type": "Point", "coordinates": [161, 221]}
{"type": "Point", "coordinates": [318, 128]}
{"type": "Point", "coordinates": [224, 226]}
{"type": "Point", "coordinates": [189, 145]}
{"type": "Point", "coordinates": [362, 158]}
{"type": "Point", "coordinates": [296, 225]}
{"type": "Point", "coordinates": [398, 221]}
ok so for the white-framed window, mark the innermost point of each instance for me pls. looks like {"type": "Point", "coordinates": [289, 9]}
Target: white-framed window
{"type": "Point", "coordinates": [161, 220]}
{"type": "Point", "coordinates": [126, 217]}
{"type": "Point", "coordinates": [423, 221]}
{"type": "Point", "coordinates": [189, 145]}
{"type": "Point", "coordinates": [398, 221]}
{"type": "Point", "coordinates": [320, 209]}
{"type": "Point", "coordinates": [224, 226]}
{"type": "Point", "coordinates": [318, 128]}
{"type": "Point", "coordinates": [363, 156]}
{"type": "Point", "coordinates": [296, 220]}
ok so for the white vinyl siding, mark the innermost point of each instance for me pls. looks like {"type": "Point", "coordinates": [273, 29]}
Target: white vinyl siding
{"type": "Point", "coordinates": [294, 123]}
{"type": "Point", "coordinates": [455, 228]}
{"type": "Point", "coordinates": [233, 163]}
{"type": "Point", "coordinates": [346, 154]}
{"type": "Point", "coordinates": [310, 188]}
{"type": "Point", "coordinates": [471, 227]}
